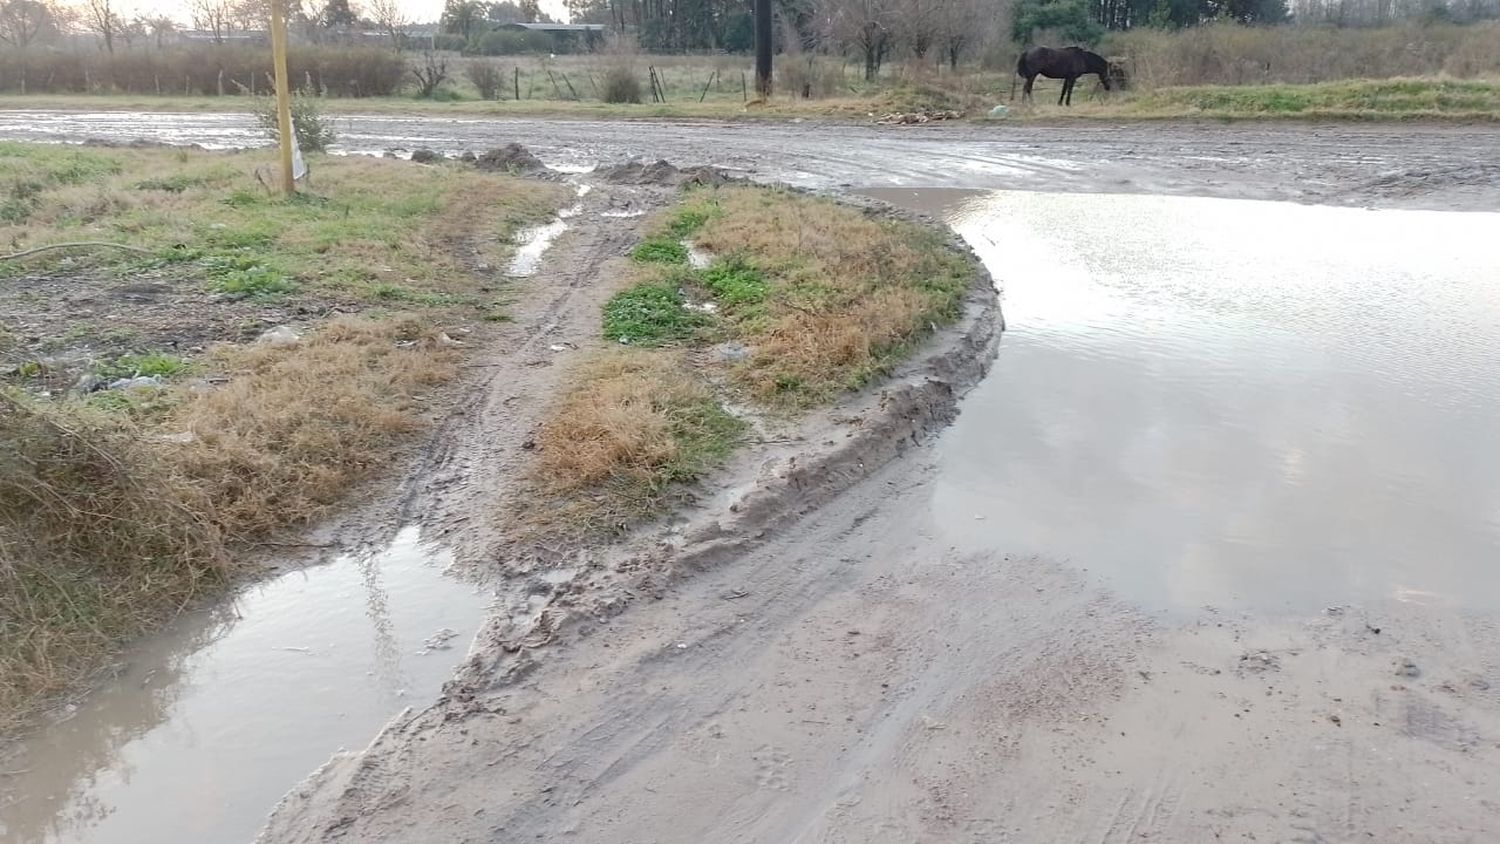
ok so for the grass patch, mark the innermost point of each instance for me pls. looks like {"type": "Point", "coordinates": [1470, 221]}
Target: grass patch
{"type": "Point", "coordinates": [736, 283]}
{"type": "Point", "coordinates": [243, 277]}
{"type": "Point", "coordinates": [688, 218]}
{"type": "Point", "coordinates": [1358, 99]}
{"type": "Point", "coordinates": [157, 364]}
{"type": "Point", "coordinates": [840, 296]}
{"type": "Point", "coordinates": [631, 425]}
{"type": "Point", "coordinates": [364, 225]}
{"type": "Point", "coordinates": [651, 313]}
{"type": "Point", "coordinates": [96, 543]}
{"type": "Point", "coordinates": [660, 250]}
{"type": "Point", "coordinates": [825, 297]}
{"type": "Point", "coordinates": [119, 507]}
{"type": "Point", "coordinates": [296, 427]}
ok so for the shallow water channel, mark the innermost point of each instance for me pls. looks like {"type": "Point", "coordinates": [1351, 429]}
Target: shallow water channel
{"type": "Point", "coordinates": [213, 720]}
{"type": "Point", "coordinates": [1240, 404]}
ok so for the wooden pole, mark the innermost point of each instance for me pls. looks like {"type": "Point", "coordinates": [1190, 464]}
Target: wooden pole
{"type": "Point", "coordinates": [763, 35]}
{"type": "Point", "coordinates": [283, 95]}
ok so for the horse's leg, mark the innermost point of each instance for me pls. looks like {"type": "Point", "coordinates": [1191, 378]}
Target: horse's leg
{"type": "Point", "coordinates": [1067, 86]}
{"type": "Point", "coordinates": [1026, 90]}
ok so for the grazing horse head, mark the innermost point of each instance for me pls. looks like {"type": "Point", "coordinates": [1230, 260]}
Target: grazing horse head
{"type": "Point", "coordinates": [1094, 63]}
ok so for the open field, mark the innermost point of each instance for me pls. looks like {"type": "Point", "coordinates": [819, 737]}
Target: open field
{"type": "Point", "coordinates": [233, 368]}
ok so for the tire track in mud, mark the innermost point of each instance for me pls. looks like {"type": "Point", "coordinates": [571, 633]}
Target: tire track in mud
{"type": "Point", "coordinates": [464, 472]}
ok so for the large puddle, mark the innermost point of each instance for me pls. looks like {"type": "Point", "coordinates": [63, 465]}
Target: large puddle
{"type": "Point", "coordinates": [214, 720]}
{"type": "Point", "coordinates": [1233, 403]}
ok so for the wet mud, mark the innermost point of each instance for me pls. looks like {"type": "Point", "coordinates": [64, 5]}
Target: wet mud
{"type": "Point", "coordinates": [1169, 576]}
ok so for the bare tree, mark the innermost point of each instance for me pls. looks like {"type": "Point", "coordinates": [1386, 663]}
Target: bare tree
{"type": "Point", "coordinates": [865, 26]}
{"type": "Point", "coordinates": [250, 15]}
{"type": "Point", "coordinates": [919, 24]}
{"type": "Point", "coordinates": [431, 72]}
{"type": "Point", "coordinates": [160, 27]}
{"type": "Point", "coordinates": [213, 17]}
{"type": "Point", "coordinates": [388, 16]}
{"type": "Point", "coordinates": [958, 28]}
{"type": "Point", "coordinates": [99, 17]}
{"type": "Point", "coordinates": [27, 22]}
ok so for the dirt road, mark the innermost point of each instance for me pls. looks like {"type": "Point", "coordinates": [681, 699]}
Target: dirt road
{"type": "Point", "coordinates": [1199, 561]}
{"type": "Point", "coordinates": [1208, 556]}
{"type": "Point", "coordinates": [1438, 167]}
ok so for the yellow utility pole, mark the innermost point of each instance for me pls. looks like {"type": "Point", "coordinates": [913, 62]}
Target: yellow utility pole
{"type": "Point", "coordinates": [283, 95]}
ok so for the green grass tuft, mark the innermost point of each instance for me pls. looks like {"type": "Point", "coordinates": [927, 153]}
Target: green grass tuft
{"type": "Point", "coordinates": [651, 314]}
{"type": "Point", "coordinates": [736, 283]}
{"type": "Point", "coordinates": [660, 250]}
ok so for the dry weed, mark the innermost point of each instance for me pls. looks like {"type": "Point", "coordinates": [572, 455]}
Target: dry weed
{"type": "Point", "coordinates": [849, 293]}
{"type": "Point", "coordinates": [296, 427]}
{"type": "Point", "coordinates": [106, 526]}
{"type": "Point", "coordinates": [96, 543]}
{"type": "Point", "coordinates": [630, 424]}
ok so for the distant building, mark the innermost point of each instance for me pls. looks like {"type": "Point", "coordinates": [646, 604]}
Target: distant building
{"type": "Point", "coordinates": [590, 34]}
{"type": "Point", "coordinates": [244, 36]}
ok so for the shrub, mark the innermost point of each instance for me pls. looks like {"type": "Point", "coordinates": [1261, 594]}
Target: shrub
{"type": "Point", "coordinates": [486, 77]}
{"type": "Point", "coordinates": [621, 85]}
{"type": "Point", "coordinates": [308, 124]}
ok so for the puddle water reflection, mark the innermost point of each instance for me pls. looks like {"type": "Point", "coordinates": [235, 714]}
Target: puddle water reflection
{"type": "Point", "coordinates": [1243, 404]}
{"type": "Point", "coordinates": [214, 720]}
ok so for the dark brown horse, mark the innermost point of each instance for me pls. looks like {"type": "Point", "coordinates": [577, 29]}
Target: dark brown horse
{"type": "Point", "coordinates": [1066, 64]}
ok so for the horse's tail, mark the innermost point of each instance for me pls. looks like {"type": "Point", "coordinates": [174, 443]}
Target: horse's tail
{"type": "Point", "coordinates": [1020, 71]}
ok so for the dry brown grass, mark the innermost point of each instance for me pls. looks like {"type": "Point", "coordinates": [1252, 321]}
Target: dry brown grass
{"type": "Point", "coordinates": [106, 525]}
{"type": "Point", "coordinates": [1228, 54]}
{"type": "Point", "coordinates": [295, 428]}
{"type": "Point", "coordinates": [848, 292]}
{"type": "Point", "coordinates": [96, 543]}
{"type": "Point", "coordinates": [629, 425]}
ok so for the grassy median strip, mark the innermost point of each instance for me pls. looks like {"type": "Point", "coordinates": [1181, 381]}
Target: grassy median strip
{"type": "Point", "coordinates": [805, 300]}
{"type": "Point", "coordinates": [244, 365]}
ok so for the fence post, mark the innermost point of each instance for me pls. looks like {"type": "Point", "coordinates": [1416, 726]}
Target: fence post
{"type": "Point", "coordinates": [518, 84]}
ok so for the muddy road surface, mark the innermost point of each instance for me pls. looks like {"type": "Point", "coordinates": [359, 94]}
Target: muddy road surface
{"type": "Point", "coordinates": [1437, 167]}
{"type": "Point", "coordinates": [1209, 555]}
